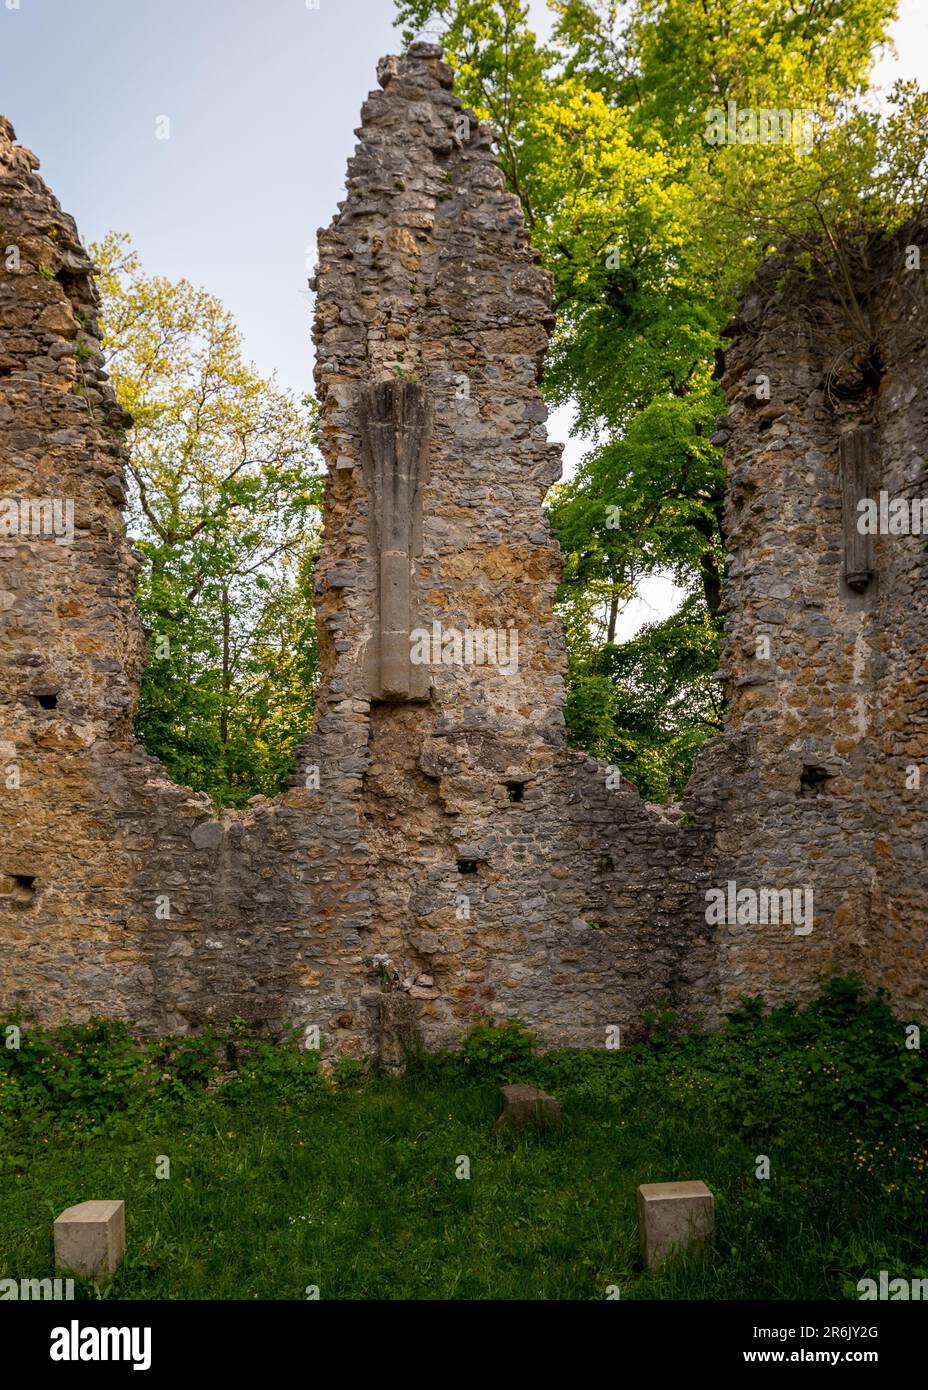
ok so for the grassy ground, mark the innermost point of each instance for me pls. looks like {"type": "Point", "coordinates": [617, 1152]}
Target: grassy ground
{"type": "Point", "coordinates": [280, 1179]}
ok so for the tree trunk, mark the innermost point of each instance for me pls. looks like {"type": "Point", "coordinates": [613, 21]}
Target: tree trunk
{"type": "Point", "coordinates": [613, 616]}
{"type": "Point", "coordinates": [226, 674]}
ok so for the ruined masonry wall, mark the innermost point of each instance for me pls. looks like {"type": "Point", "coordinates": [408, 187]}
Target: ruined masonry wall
{"type": "Point", "coordinates": [94, 833]}
{"type": "Point", "coordinates": [822, 735]}
{"type": "Point", "coordinates": [448, 830]}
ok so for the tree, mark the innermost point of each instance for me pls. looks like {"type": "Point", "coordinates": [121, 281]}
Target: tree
{"type": "Point", "coordinates": [224, 503]}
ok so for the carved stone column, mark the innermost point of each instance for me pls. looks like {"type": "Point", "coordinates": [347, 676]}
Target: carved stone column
{"type": "Point", "coordinates": [396, 425]}
{"type": "Point", "coordinates": [856, 455]}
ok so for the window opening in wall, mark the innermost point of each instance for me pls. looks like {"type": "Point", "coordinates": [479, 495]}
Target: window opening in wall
{"type": "Point", "coordinates": [228, 692]}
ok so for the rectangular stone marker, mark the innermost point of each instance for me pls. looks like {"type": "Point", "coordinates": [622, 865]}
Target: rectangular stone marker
{"type": "Point", "coordinates": [673, 1215]}
{"type": "Point", "coordinates": [90, 1238]}
{"type": "Point", "coordinates": [525, 1106]}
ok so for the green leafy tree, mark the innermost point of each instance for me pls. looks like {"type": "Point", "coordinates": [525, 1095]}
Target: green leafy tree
{"type": "Point", "coordinates": [224, 499]}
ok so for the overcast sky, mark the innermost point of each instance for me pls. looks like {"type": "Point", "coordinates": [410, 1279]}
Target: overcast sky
{"type": "Point", "coordinates": [263, 97]}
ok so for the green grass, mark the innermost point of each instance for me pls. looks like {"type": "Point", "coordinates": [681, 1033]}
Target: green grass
{"type": "Point", "coordinates": [281, 1179]}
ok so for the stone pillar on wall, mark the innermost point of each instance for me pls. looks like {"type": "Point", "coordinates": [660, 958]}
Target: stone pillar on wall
{"type": "Point", "coordinates": [856, 472]}
{"type": "Point", "coordinates": [396, 422]}
{"type": "Point", "coordinates": [507, 874]}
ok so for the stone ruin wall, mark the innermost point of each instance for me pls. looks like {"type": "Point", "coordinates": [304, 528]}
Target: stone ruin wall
{"type": "Point", "coordinates": [822, 736]}
{"type": "Point", "coordinates": [573, 890]}
{"type": "Point", "coordinates": [578, 905]}
{"type": "Point", "coordinates": [95, 832]}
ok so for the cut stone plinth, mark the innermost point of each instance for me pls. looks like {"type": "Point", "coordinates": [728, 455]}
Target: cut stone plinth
{"type": "Point", "coordinates": [673, 1215]}
{"type": "Point", "coordinates": [526, 1107]}
{"type": "Point", "coordinates": [90, 1238]}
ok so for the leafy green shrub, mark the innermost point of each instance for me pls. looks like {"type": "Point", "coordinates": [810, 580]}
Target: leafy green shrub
{"type": "Point", "coordinates": [86, 1071]}
{"type": "Point", "coordinates": [267, 1068]}
{"type": "Point", "coordinates": [348, 1072]}
{"type": "Point", "coordinates": [91, 1068]}
{"type": "Point", "coordinates": [188, 1063]}
{"type": "Point", "coordinates": [501, 1051]}
{"type": "Point", "coordinates": [660, 1022]}
{"type": "Point", "coordinates": [749, 1011]}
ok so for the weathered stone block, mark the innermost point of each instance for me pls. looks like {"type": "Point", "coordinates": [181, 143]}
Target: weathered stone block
{"type": "Point", "coordinates": [673, 1215]}
{"type": "Point", "coordinates": [90, 1238]}
{"type": "Point", "coordinates": [526, 1107]}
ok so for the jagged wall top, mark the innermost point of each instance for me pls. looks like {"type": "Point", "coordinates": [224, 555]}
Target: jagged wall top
{"type": "Point", "coordinates": [427, 275]}
{"type": "Point", "coordinates": [427, 224]}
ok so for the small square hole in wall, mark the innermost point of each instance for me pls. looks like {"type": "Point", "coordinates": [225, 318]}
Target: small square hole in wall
{"type": "Point", "coordinates": [47, 699]}
{"type": "Point", "coordinates": [467, 866]}
{"type": "Point", "coordinates": [22, 890]}
{"type": "Point", "coordinates": [515, 790]}
{"type": "Point", "coordinates": [813, 780]}
{"type": "Point", "coordinates": [70, 280]}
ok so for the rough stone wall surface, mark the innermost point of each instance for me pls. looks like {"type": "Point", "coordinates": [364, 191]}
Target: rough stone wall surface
{"type": "Point", "coordinates": [442, 854]}
{"type": "Point", "coordinates": [825, 729]}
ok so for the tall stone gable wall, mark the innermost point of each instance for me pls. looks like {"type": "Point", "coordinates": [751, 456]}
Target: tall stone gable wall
{"type": "Point", "coordinates": [442, 854]}
{"type": "Point", "coordinates": [573, 909]}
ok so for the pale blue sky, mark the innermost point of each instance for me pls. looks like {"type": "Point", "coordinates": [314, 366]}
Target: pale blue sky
{"type": "Point", "coordinates": [263, 98]}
